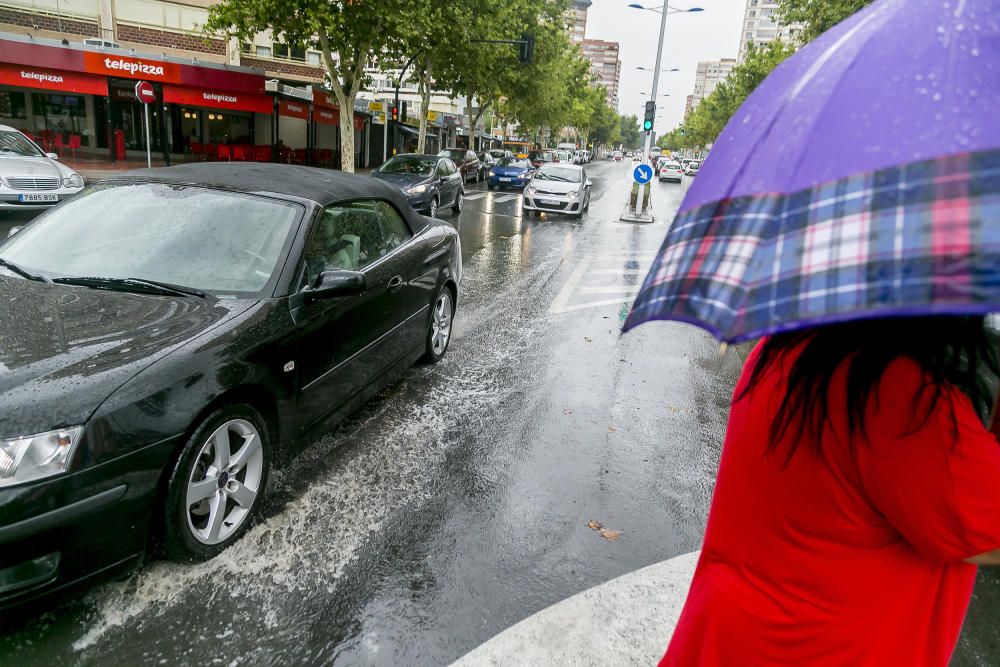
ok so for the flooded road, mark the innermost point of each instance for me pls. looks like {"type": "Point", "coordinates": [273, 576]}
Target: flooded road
{"type": "Point", "coordinates": [456, 502]}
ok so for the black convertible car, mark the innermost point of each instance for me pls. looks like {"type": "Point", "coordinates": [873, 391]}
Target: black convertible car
{"type": "Point", "coordinates": [164, 335]}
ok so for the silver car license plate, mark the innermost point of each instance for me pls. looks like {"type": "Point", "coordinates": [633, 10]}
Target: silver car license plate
{"type": "Point", "coordinates": [548, 201]}
{"type": "Point", "coordinates": [30, 197]}
{"type": "Point", "coordinates": [503, 179]}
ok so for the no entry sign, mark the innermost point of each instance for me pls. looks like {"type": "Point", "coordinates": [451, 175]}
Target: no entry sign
{"type": "Point", "coordinates": [144, 91]}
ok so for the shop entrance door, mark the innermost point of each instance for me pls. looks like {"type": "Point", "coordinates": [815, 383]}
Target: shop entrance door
{"type": "Point", "coordinates": [127, 116]}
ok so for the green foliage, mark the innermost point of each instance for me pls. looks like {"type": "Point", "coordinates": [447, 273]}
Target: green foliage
{"type": "Point", "coordinates": [707, 120]}
{"type": "Point", "coordinates": [816, 16]}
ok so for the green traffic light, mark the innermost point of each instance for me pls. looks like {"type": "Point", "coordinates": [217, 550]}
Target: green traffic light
{"type": "Point", "coordinates": [647, 125]}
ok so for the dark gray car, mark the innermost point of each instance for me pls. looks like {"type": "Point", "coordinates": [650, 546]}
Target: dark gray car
{"type": "Point", "coordinates": [428, 181]}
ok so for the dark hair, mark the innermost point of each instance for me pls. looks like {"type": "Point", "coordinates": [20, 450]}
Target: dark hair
{"type": "Point", "coordinates": [951, 351]}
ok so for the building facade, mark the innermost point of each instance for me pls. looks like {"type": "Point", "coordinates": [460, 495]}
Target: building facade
{"type": "Point", "coordinates": [576, 20]}
{"type": "Point", "coordinates": [605, 66]}
{"type": "Point", "coordinates": [760, 25]}
{"type": "Point", "coordinates": [709, 75]}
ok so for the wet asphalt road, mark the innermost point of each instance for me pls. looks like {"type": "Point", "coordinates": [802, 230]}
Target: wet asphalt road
{"type": "Point", "coordinates": [456, 503]}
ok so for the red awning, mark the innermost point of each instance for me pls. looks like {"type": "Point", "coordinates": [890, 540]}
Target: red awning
{"type": "Point", "coordinates": [294, 109]}
{"type": "Point", "coordinates": [201, 97]}
{"type": "Point", "coordinates": [51, 79]}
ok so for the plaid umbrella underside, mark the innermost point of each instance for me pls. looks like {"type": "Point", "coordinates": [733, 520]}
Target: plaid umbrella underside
{"type": "Point", "coordinates": [916, 239]}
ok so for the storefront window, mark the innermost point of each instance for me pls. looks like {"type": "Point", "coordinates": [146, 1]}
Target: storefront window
{"type": "Point", "coordinates": [12, 104]}
{"type": "Point", "coordinates": [227, 128]}
{"type": "Point", "coordinates": [63, 115]}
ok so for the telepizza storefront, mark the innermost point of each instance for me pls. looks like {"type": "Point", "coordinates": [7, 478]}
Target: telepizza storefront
{"type": "Point", "coordinates": [72, 99]}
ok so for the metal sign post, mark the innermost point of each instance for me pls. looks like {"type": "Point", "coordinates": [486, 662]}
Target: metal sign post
{"type": "Point", "coordinates": [144, 93]}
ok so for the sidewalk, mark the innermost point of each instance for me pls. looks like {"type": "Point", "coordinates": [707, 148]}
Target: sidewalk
{"type": "Point", "coordinates": [625, 621]}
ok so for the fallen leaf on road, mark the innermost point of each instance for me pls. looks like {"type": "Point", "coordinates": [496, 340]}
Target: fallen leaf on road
{"type": "Point", "coordinates": [588, 339]}
{"type": "Point", "coordinates": [674, 408]}
{"type": "Point", "coordinates": [567, 412]}
{"type": "Point", "coordinates": [611, 429]}
{"type": "Point", "coordinates": [610, 535]}
{"type": "Point", "coordinates": [594, 525]}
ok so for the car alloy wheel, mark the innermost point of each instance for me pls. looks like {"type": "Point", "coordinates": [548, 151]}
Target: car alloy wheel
{"type": "Point", "coordinates": [439, 332]}
{"type": "Point", "coordinates": [225, 481]}
{"type": "Point", "coordinates": [459, 200]}
{"type": "Point", "coordinates": [216, 485]}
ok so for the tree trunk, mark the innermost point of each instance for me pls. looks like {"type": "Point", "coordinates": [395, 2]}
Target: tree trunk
{"type": "Point", "coordinates": [346, 132]}
{"type": "Point", "coordinates": [472, 122]}
{"type": "Point", "coordinates": [425, 101]}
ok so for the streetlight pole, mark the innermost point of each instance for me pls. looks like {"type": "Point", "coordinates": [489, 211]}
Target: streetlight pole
{"type": "Point", "coordinates": [656, 76]}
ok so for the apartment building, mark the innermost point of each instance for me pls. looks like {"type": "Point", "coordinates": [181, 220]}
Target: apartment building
{"type": "Point", "coordinates": [760, 25]}
{"type": "Point", "coordinates": [576, 19]}
{"type": "Point", "coordinates": [708, 76]}
{"type": "Point", "coordinates": [605, 66]}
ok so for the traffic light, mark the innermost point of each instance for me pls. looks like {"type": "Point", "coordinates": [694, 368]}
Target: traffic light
{"type": "Point", "coordinates": [526, 50]}
{"type": "Point", "coordinates": [394, 112]}
{"type": "Point", "coordinates": [682, 130]}
{"type": "Point", "coordinates": [647, 123]}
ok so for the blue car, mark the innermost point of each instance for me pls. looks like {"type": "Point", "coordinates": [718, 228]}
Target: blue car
{"type": "Point", "coordinates": [509, 172]}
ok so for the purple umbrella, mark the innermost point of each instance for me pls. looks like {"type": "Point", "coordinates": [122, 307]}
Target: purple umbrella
{"type": "Point", "coordinates": [860, 179]}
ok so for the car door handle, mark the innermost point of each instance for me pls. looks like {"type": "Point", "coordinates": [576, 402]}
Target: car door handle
{"type": "Point", "coordinates": [395, 283]}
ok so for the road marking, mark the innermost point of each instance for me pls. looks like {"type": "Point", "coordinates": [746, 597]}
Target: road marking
{"type": "Point", "coordinates": [619, 272]}
{"type": "Point", "coordinates": [614, 289]}
{"type": "Point", "coordinates": [472, 196]}
{"type": "Point", "coordinates": [559, 304]}
{"type": "Point", "coordinates": [500, 199]}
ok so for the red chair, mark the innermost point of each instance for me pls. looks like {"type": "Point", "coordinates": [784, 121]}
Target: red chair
{"type": "Point", "coordinates": [196, 148]}
{"type": "Point", "coordinates": [262, 153]}
{"type": "Point", "coordinates": [211, 151]}
{"type": "Point", "coordinates": [59, 144]}
{"type": "Point", "coordinates": [299, 156]}
{"type": "Point", "coordinates": [74, 143]}
{"type": "Point", "coordinates": [225, 152]}
{"type": "Point", "coordinates": [240, 153]}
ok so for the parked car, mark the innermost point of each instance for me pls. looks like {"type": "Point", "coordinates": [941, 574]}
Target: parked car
{"type": "Point", "coordinates": [32, 179]}
{"type": "Point", "coordinates": [489, 158]}
{"type": "Point", "coordinates": [538, 158]}
{"type": "Point", "coordinates": [428, 181]}
{"type": "Point", "coordinates": [617, 156]}
{"type": "Point", "coordinates": [564, 156]}
{"type": "Point", "coordinates": [558, 188]}
{"type": "Point", "coordinates": [670, 171]}
{"type": "Point", "coordinates": [509, 172]}
{"type": "Point", "coordinates": [692, 168]}
{"type": "Point", "coordinates": [170, 332]}
{"type": "Point", "coordinates": [465, 160]}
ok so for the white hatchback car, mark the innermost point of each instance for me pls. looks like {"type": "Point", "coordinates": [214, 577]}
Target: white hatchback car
{"type": "Point", "coordinates": [29, 177]}
{"type": "Point", "coordinates": [670, 171]}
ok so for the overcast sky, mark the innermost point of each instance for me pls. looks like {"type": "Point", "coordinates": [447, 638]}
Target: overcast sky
{"type": "Point", "coordinates": [708, 35]}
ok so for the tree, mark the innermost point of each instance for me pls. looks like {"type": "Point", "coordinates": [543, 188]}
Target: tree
{"type": "Point", "coordinates": [816, 16]}
{"type": "Point", "coordinates": [350, 35]}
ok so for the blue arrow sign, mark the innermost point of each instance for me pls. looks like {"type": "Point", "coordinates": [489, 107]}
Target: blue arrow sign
{"type": "Point", "coordinates": [643, 174]}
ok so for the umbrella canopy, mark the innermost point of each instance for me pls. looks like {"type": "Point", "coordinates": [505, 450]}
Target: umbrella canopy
{"type": "Point", "coordinates": [860, 179]}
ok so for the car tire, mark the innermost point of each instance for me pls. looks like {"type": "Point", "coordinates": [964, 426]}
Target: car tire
{"type": "Point", "coordinates": [586, 201]}
{"type": "Point", "coordinates": [490, 186]}
{"type": "Point", "coordinates": [439, 327]}
{"type": "Point", "coordinates": [459, 200]}
{"type": "Point", "coordinates": [226, 502]}
{"type": "Point", "coordinates": [432, 210]}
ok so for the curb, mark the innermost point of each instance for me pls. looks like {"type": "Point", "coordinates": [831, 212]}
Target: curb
{"type": "Point", "coordinates": [625, 621]}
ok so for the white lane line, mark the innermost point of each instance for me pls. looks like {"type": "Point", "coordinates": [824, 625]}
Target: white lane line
{"type": "Point", "coordinates": [472, 196]}
{"type": "Point", "coordinates": [559, 303]}
{"type": "Point", "coordinates": [500, 199]}
{"type": "Point", "coordinates": [619, 272]}
{"type": "Point", "coordinates": [592, 304]}
{"type": "Point", "coordinates": [615, 289]}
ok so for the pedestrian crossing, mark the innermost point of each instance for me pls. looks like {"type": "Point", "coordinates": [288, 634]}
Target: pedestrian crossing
{"type": "Point", "coordinates": [495, 197]}
{"type": "Point", "coordinates": [606, 279]}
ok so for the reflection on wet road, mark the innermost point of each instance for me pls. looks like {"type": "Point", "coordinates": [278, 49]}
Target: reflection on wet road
{"type": "Point", "coordinates": [456, 502]}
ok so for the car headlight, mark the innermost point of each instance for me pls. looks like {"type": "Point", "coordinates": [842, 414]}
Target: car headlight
{"type": "Point", "coordinates": [492, 173]}
{"type": "Point", "coordinates": [34, 457]}
{"type": "Point", "coordinates": [572, 195]}
{"type": "Point", "coordinates": [530, 189]}
{"type": "Point", "coordinates": [73, 181]}
{"type": "Point", "coordinates": [416, 189]}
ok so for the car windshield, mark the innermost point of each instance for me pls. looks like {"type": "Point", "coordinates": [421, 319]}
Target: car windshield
{"type": "Point", "coordinates": [514, 162]}
{"type": "Point", "coordinates": [556, 173]}
{"type": "Point", "coordinates": [226, 243]}
{"type": "Point", "coordinates": [497, 153]}
{"type": "Point", "coordinates": [541, 156]}
{"type": "Point", "coordinates": [409, 164]}
{"type": "Point", "coordinates": [456, 154]}
{"type": "Point", "coordinates": [15, 143]}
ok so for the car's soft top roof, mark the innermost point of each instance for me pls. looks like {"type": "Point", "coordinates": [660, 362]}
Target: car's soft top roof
{"type": "Point", "coordinates": [323, 186]}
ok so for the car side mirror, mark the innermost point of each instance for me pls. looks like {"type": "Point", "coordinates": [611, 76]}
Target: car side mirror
{"type": "Point", "coordinates": [14, 230]}
{"type": "Point", "coordinates": [52, 156]}
{"type": "Point", "coordinates": [336, 283]}
{"type": "Point", "coordinates": [589, 183]}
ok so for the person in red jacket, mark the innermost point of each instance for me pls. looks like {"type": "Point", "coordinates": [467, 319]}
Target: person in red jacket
{"type": "Point", "coordinates": [857, 491]}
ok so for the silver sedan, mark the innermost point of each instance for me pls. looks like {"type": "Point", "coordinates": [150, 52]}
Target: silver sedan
{"type": "Point", "coordinates": [558, 187]}
{"type": "Point", "coordinates": [31, 179]}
